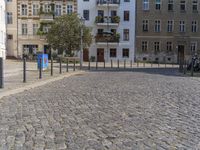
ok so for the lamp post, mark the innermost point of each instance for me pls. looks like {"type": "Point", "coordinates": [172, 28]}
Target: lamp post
{"type": "Point", "coordinates": [81, 52]}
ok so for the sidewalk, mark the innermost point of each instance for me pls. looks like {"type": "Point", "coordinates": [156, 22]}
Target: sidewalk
{"type": "Point", "coordinates": [13, 76]}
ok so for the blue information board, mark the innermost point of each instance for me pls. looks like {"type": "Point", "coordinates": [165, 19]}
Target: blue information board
{"type": "Point", "coordinates": [44, 58]}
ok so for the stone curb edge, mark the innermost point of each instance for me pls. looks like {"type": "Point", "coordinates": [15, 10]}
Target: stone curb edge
{"type": "Point", "coordinates": [38, 84]}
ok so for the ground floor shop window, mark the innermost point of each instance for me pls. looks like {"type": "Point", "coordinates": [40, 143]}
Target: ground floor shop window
{"type": "Point", "coordinates": [30, 51]}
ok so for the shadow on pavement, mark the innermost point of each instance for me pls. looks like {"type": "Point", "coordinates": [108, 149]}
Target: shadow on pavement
{"type": "Point", "coordinates": [159, 71]}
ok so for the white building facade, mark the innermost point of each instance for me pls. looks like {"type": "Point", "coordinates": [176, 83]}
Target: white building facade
{"type": "Point", "coordinates": [113, 28]}
{"type": "Point", "coordinates": [2, 30]}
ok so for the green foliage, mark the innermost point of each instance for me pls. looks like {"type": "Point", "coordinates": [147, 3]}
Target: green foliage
{"type": "Point", "coordinates": [65, 34]}
{"type": "Point", "coordinates": [116, 19]}
{"type": "Point", "coordinates": [98, 19]}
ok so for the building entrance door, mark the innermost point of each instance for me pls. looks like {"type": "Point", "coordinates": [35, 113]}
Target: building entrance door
{"type": "Point", "coordinates": [85, 55]}
{"type": "Point", "coordinates": [181, 56]}
{"type": "Point", "coordinates": [100, 55]}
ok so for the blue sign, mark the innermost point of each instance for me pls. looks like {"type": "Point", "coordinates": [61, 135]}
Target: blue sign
{"type": "Point", "coordinates": [44, 58]}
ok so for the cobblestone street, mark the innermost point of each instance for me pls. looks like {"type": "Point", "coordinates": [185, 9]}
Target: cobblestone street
{"type": "Point", "coordinates": [105, 111]}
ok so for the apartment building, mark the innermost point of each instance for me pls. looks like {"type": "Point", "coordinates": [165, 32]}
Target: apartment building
{"type": "Point", "coordinates": [2, 29]}
{"type": "Point", "coordinates": [33, 20]}
{"type": "Point", "coordinates": [167, 30]}
{"type": "Point", "coordinates": [11, 27]}
{"type": "Point", "coordinates": [113, 28]}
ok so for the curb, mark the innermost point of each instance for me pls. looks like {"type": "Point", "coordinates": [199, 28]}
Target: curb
{"type": "Point", "coordinates": [37, 84]}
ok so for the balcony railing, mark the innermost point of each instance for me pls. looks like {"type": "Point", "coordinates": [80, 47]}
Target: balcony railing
{"type": "Point", "coordinates": [101, 2]}
{"type": "Point", "coordinates": [113, 19]}
{"type": "Point", "coordinates": [107, 38]}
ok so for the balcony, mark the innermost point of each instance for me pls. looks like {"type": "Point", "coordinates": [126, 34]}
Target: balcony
{"type": "Point", "coordinates": [46, 16]}
{"type": "Point", "coordinates": [105, 38]}
{"type": "Point", "coordinates": [104, 21]}
{"type": "Point", "coordinates": [106, 3]}
{"type": "Point", "coordinates": [29, 37]}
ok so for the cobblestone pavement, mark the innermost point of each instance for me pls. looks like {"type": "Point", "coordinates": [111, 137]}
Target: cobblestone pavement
{"type": "Point", "coordinates": [104, 111]}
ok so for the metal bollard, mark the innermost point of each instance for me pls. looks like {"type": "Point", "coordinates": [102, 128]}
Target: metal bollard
{"type": "Point", "coordinates": [51, 66]}
{"type": "Point", "coordinates": [40, 69]}
{"type": "Point", "coordinates": [74, 65]}
{"type": "Point", "coordinates": [89, 65]}
{"type": "Point", "coordinates": [131, 64]}
{"type": "Point", "coordinates": [96, 64]}
{"type": "Point", "coordinates": [24, 69]}
{"type": "Point", "coordinates": [80, 65]}
{"type": "Point", "coordinates": [124, 64]}
{"type": "Point", "coordinates": [118, 63]}
{"type": "Point", "coordinates": [158, 65]}
{"type": "Point", "coordinates": [185, 67]}
{"type": "Point", "coordinates": [1, 73]}
{"type": "Point", "coordinates": [104, 64]}
{"type": "Point", "coordinates": [111, 63]}
{"type": "Point", "coordinates": [67, 65]}
{"type": "Point", "coordinates": [192, 69]}
{"type": "Point", "coordinates": [60, 65]}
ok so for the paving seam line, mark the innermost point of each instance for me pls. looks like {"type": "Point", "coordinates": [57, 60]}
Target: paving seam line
{"type": "Point", "coordinates": [38, 84]}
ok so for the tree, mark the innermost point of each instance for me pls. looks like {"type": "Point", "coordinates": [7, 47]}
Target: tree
{"type": "Point", "coordinates": [65, 34]}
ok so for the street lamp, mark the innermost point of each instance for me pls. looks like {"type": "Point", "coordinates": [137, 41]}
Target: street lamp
{"type": "Point", "coordinates": [81, 52]}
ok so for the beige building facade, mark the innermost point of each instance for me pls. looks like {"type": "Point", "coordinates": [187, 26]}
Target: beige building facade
{"type": "Point", "coordinates": [11, 28]}
{"type": "Point", "coordinates": [167, 30]}
{"type": "Point", "coordinates": [33, 22]}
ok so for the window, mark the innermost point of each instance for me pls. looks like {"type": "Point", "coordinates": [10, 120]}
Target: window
{"type": "Point", "coordinates": [24, 10]}
{"type": "Point", "coordinates": [9, 18]}
{"type": "Point", "coordinates": [86, 14]}
{"type": "Point", "coordinates": [145, 4]}
{"type": "Point", "coordinates": [170, 5]}
{"type": "Point", "coordinates": [47, 8]}
{"type": "Point", "coordinates": [144, 46]}
{"type": "Point", "coordinates": [24, 29]}
{"type": "Point", "coordinates": [126, 34]}
{"type": "Point", "coordinates": [158, 4]}
{"type": "Point", "coordinates": [125, 53]}
{"type": "Point", "coordinates": [169, 46]}
{"type": "Point", "coordinates": [35, 9]}
{"type": "Point", "coordinates": [194, 26]}
{"type": "Point", "coordinates": [58, 10]}
{"type": "Point", "coordinates": [46, 28]}
{"type": "Point", "coordinates": [182, 5]}
{"type": "Point", "coordinates": [113, 52]}
{"type": "Point", "coordinates": [193, 46]}
{"type": "Point", "coordinates": [156, 47]}
{"type": "Point", "coordinates": [145, 25]}
{"type": "Point", "coordinates": [100, 31]}
{"type": "Point", "coordinates": [9, 36]}
{"type": "Point", "coordinates": [182, 26]}
{"type": "Point", "coordinates": [170, 26]}
{"type": "Point", "coordinates": [157, 26]}
{"type": "Point", "coordinates": [194, 5]}
{"type": "Point", "coordinates": [126, 16]}
{"type": "Point", "coordinates": [35, 29]}
{"type": "Point", "coordinates": [69, 9]}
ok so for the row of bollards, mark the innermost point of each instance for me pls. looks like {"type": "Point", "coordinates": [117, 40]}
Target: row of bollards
{"type": "Point", "coordinates": [138, 64]}
{"type": "Point", "coordinates": [40, 68]}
